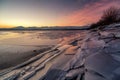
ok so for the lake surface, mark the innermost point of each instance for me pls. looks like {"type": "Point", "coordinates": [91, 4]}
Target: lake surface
{"type": "Point", "coordinates": [19, 46]}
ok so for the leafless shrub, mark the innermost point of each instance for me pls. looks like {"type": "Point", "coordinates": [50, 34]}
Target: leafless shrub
{"type": "Point", "coordinates": [110, 15]}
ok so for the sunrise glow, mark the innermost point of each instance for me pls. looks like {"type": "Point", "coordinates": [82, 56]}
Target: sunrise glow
{"type": "Point", "coordinates": [52, 13]}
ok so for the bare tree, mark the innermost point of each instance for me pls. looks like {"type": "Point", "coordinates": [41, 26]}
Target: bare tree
{"type": "Point", "coordinates": [111, 15]}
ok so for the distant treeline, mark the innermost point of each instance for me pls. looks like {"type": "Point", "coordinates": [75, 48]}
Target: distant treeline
{"type": "Point", "coordinates": [46, 28]}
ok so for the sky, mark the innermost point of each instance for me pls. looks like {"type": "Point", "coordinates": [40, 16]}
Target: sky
{"type": "Point", "coordinates": [52, 12]}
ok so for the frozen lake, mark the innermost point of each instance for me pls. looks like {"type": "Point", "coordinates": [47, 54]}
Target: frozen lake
{"type": "Point", "coordinates": [19, 46]}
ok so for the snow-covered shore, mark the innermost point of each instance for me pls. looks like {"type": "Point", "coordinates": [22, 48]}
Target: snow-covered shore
{"type": "Point", "coordinates": [98, 58]}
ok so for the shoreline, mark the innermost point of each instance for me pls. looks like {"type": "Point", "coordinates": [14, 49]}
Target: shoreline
{"type": "Point", "coordinates": [10, 59]}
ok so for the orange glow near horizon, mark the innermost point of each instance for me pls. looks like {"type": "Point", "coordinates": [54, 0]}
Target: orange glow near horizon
{"type": "Point", "coordinates": [6, 26]}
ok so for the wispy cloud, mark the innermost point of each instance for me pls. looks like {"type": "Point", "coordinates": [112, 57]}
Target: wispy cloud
{"type": "Point", "coordinates": [90, 13]}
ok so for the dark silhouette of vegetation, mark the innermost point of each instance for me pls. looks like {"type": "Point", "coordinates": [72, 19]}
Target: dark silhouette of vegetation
{"type": "Point", "coordinates": [110, 16]}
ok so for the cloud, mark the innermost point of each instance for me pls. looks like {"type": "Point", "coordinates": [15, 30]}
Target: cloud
{"type": "Point", "coordinates": [90, 13]}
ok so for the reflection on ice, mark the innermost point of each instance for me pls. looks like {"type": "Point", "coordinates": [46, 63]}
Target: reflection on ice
{"type": "Point", "coordinates": [19, 46]}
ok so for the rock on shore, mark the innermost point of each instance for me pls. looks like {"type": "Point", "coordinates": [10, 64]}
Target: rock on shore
{"type": "Point", "coordinates": [98, 58]}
